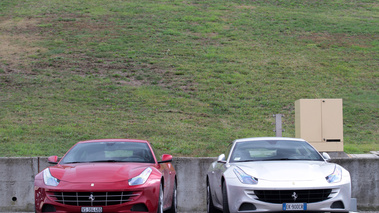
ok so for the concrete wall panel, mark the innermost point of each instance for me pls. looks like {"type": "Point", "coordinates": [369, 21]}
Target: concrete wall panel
{"type": "Point", "coordinates": [17, 183]}
{"type": "Point", "coordinates": [17, 180]}
{"type": "Point", "coordinates": [191, 183]}
{"type": "Point", "coordinates": [364, 174]}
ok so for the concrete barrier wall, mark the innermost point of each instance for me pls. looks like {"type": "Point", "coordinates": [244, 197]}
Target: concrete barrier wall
{"type": "Point", "coordinates": [17, 182]}
{"type": "Point", "coordinates": [364, 174]}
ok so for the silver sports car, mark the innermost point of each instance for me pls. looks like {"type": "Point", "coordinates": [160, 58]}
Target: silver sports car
{"type": "Point", "coordinates": [276, 174]}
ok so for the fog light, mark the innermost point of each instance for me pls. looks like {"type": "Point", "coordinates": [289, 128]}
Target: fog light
{"type": "Point", "coordinates": [247, 207]}
{"type": "Point", "coordinates": [48, 208]}
{"type": "Point", "coordinates": [337, 205]}
{"type": "Point", "coordinates": [139, 208]}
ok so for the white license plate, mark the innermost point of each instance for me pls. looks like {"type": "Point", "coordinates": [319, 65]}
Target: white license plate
{"type": "Point", "coordinates": [294, 206]}
{"type": "Point", "coordinates": [92, 209]}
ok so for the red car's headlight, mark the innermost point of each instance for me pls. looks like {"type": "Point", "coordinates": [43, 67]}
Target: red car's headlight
{"type": "Point", "coordinates": [48, 179]}
{"type": "Point", "coordinates": [141, 178]}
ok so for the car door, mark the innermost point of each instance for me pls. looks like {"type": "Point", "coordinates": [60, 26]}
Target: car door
{"type": "Point", "coordinates": [215, 180]}
{"type": "Point", "coordinates": [220, 169]}
{"type": "Point", "coordinates": [165, 170]}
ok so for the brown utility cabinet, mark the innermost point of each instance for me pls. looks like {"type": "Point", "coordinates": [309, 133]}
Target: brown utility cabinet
{"type": "Point", "coordinates": [320, 122]}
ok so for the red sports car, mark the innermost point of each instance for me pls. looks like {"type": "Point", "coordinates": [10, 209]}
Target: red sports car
{"type": "Point", "coordinates": [108, 175]}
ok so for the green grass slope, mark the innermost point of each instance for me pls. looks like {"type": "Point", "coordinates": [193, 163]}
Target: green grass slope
{"type": "Point", "coordinates": [190, 76]}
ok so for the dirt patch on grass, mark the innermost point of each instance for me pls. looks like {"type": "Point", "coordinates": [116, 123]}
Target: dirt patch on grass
{"type": "Point", "coordinates": [245, 7]}
{"type": "Point", "coordinates": [9, 24]}
{"type": "Point", "coordinates": [16, 46]}
{"type": "Point", "coordinates": [326, 40]}
{"type": "Point", "coordinates": [21, 52]}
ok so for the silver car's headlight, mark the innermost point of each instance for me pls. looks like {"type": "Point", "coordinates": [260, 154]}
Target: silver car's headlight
{"type": "Point", "coordinates": [336, 176]}
{"type": "Point", "coordinates": [141, 178]}
{"type": "Point", "coordinates": [48, 179]}
{"type": "Point", "coordinates": [243, 177]}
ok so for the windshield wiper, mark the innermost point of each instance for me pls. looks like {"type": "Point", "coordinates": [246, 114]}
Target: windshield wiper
{"type": "Point", "coordinates": [74, 162]}
{"type": "Point", "coordinates": [246, 161]}
{"type": "Point", "coordinates": [104, 161]}
{"type": "Point", "coordinates": [277, 159]}
{"type": "Point", "coordinates": [96, 161]}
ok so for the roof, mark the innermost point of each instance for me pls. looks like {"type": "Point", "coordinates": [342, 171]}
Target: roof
{"type": "Point", "coordinates": [267, 138]}
{"type": "Point", "coordinates": [114, 140]}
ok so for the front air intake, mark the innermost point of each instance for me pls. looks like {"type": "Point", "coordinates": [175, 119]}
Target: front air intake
{"type": "Point", "coordinates": [293, 196]}
{"type": "Point", "coordinates": [93, 198]}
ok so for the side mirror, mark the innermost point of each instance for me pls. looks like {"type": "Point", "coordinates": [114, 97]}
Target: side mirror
{"type": "Point", "coordinates": [53, 159]}
{"type": "Point", "coordinates": [221, 158]}
{"type": "Point", "coordinates": [326, 156]}
{"type": "Point", "coordinates": [166, 158]}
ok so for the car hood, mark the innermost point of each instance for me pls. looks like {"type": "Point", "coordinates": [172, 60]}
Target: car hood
{"type": "Point", "coordinates": [98, 172]}
{"type": "Point", "coordinates": [288, 170]}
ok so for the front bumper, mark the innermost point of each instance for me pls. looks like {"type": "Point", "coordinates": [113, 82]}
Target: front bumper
{"type": "Point", "coordinates": [144, 199]}
{"type": "Point", "coordinates": [242, 198]}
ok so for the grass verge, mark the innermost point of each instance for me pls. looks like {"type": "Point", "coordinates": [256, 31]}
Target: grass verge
{"type": "Point", "coordinates": [189, 76]}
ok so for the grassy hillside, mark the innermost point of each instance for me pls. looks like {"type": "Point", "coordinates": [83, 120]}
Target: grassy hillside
{"type": "Point", "coordinates": [188, 75]}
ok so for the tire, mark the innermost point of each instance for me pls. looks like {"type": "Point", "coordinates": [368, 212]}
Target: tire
{"type": "Point", "coordinates": [225, 204]}
{"type": "Point", "coordinates": [160, 200]}
{"type": "Point", "coordinates": [174, 203]}
{"type": "Point", "coordinates": [210, 206]}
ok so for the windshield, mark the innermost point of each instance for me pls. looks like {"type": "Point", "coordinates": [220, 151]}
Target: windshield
{"type": "Point", "coordinates": [266, 150]}
{"type": "Point", "coordinates": [109, 152]}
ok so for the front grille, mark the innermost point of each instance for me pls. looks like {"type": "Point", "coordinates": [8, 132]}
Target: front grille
{"type": "Point", "coordinates": [293, 196]}
{"type": "Point", "coordinates": [93, 198]}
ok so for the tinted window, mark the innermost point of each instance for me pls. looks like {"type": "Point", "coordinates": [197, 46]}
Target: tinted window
{"type": "Point", "coordinates": [273, 150]}
{"type": "Point", "coordinates": [109, 152]}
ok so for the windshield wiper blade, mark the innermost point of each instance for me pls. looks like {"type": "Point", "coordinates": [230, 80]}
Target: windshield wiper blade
{"type": "Point", "coordinates": [246, 160]}
{"type": "Point", "coordinates": [104, 161]}
{"type": "Point", "coordinates": [277, 159]}
{"type": "Point", "coordinates": [75, 162]}
{"type": "Point", "coordinates": [96, 161]}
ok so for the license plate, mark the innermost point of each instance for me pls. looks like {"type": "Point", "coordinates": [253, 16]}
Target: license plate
{"type": "Point", "coordinates": [294, 206]}
{"type": "Point", "coordinates": [92, 209]}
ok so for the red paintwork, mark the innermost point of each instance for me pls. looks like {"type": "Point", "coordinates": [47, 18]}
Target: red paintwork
{"type": "Point", "coordinates": [107, 177]}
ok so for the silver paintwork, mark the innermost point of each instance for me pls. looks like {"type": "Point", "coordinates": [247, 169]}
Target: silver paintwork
{"type": "Point", "coordinates": [276, 175]}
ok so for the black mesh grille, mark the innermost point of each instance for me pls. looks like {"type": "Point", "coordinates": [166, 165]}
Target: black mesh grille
{"type": "Point", "coordinates": [93, 198]}
{"type": "Point", "coordinates": [293, 196]}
